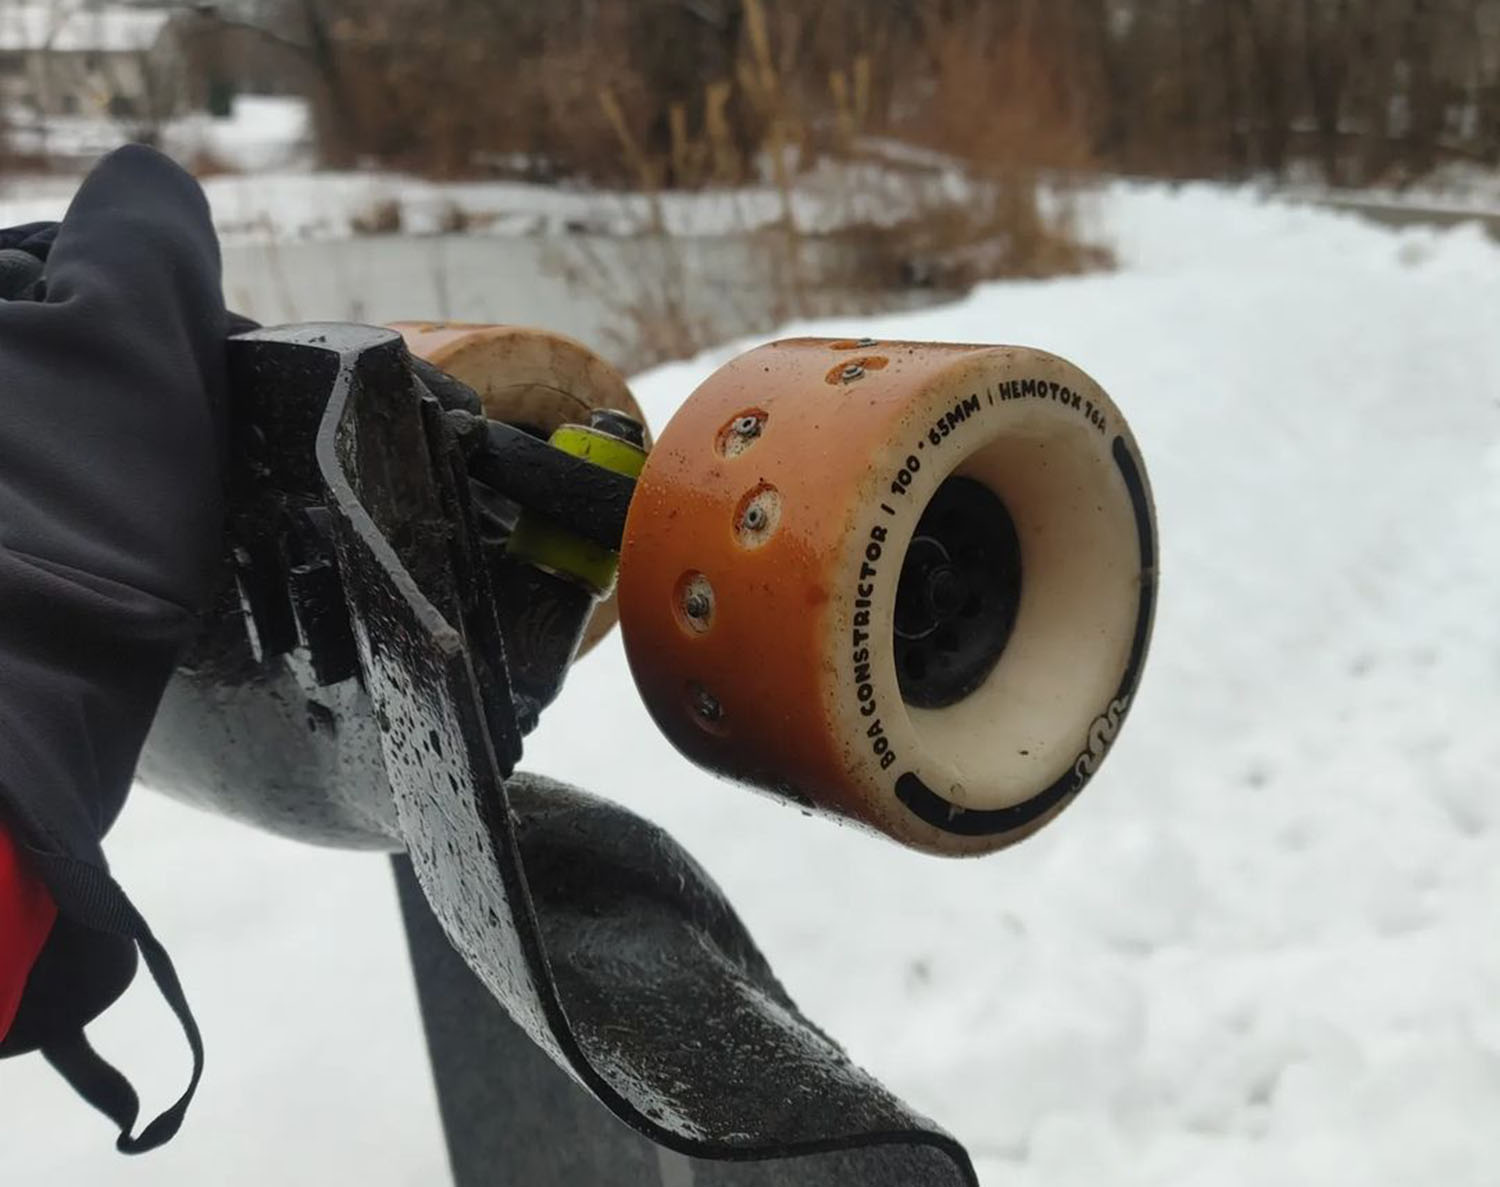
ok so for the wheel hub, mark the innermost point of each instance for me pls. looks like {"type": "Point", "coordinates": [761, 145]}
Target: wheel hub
{"type": "Point", "coordinates": [957, 597]}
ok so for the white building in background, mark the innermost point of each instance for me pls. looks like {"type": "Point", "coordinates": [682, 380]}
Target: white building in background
{"type": "Point", "coordinates": [74, 57]}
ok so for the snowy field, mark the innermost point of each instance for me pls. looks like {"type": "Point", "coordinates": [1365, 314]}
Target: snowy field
{"type": "Point", "coordinates": [1264, 947]}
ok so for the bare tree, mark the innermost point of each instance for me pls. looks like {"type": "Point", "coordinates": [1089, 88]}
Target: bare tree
{"type": "Point", "coordinates": [1328, 45]}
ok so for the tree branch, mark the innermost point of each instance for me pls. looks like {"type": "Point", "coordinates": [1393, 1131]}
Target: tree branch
{"type": "Point", "coordinates": [212, 12]}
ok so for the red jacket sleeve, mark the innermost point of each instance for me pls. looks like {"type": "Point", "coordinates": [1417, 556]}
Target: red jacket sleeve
{"type": "Point", "coordinates": [26, 915]}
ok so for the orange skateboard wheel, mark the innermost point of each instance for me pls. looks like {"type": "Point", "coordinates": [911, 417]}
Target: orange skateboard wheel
{"type": "Point", "coordinates": [532, 378]}
{"type": "Point", "coordinates": [910, 585]}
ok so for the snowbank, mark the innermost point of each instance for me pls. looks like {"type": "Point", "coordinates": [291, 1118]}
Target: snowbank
{"type": "Point", "coordinates": [262, 133]}
{"type": "Point", "coordinates": [275, 200]}
{"type": "Point", "coordinates": [1261, 949]}
{"type": "Point", "coordinates": [1456, 188]}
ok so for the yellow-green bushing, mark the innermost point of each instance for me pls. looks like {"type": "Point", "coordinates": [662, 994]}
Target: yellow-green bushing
{"type": "Point", "coordinates": [539, 541]}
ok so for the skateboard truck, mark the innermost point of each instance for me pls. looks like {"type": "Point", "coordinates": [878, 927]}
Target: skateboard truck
{"type": "Point", "coordinates": [547, 516]}
{"type": "Point", "coordinates": [551, 515]}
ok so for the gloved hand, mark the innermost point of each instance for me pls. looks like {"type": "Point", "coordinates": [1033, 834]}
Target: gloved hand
{"type": "Point", "coordinates": [113, 418]}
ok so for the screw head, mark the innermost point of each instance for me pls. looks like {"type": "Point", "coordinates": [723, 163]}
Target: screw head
{"type": "Point", "coordinates": [865, 343]}
{"type": "Point", "coordinates": [946, 592]}
{"type": "Point", "coordinates": [695, 602]}
{"type": "Point", "coordinates": [706, 705]}
{"type": "Point", "coordinates": [755, 518]}
{"type": "Point", "coordinates": [747, 426]}
{"type": "Point", "coordinates": [852, 372]}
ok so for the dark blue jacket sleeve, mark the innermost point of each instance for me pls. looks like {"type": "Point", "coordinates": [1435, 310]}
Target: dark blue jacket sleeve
{"type": "Point", "coordinates": [112, 437]}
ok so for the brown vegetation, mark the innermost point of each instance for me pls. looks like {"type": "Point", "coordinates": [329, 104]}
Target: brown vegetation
{"type": "Point", "coordinates": [1021, 98]}
{"type": "Point", "coordinates": [381, 217]}
{"type": "Point", "coordinates": [970, 209]}
{"type": "Point", "coordinates": [708, 89]}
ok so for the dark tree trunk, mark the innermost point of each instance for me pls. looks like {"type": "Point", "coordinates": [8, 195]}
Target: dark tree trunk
{"type": "Point", "coordinates": [1327, 45]}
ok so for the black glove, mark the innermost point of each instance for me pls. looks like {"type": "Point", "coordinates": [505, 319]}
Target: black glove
{"type": "Point", "coordinates": [113, 413]}
{"type": "Point", "coordinates": [23, 252]}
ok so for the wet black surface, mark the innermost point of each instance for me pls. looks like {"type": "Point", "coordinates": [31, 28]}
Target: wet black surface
{"type": "Point", "coordinates": [512, 1116]}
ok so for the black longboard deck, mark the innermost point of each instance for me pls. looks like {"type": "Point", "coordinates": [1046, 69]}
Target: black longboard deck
{"type": "Point", "coordinates": [569, 954]}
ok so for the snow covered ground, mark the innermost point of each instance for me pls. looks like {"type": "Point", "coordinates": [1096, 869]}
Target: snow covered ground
{"type": "Point", "coordinates": [1262, 949]}
{"type": "Point", "coordinates": [261, 133]}
{"type": "Point", "coordinates": [279, 205]}
{"type": "Point", "coordinates": [1452, 188]}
